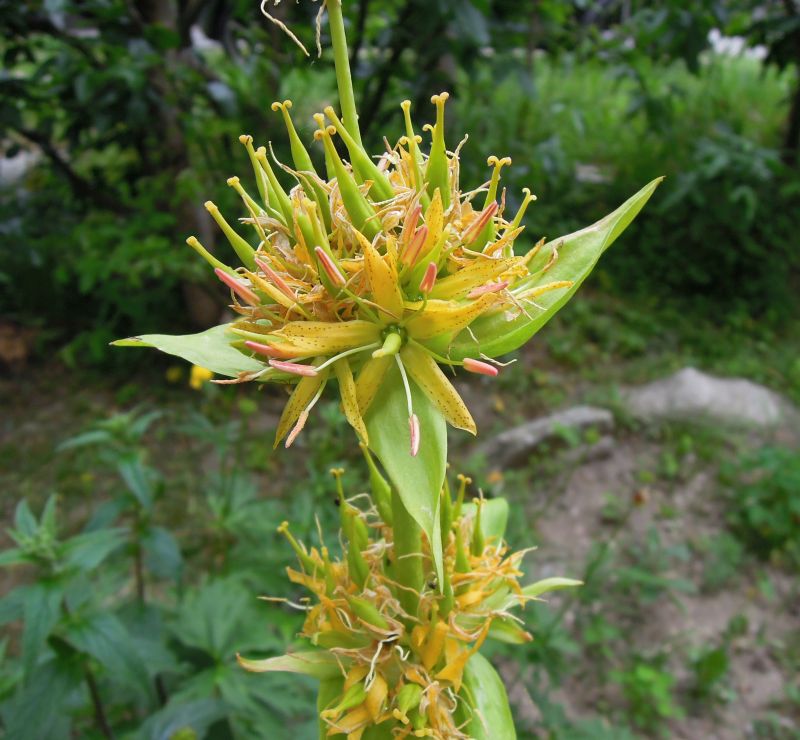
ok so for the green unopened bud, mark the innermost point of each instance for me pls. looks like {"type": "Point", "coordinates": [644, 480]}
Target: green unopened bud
{"type": "Point", "coordinates": [408, 698]}
{"type": "Point", "coordinates": [353, 697]}
{"type": "Point", "coordinates": [478, 540]}
{"type": "Point", "coordinates": [381, 490]}
{"type": "Point", "coordinates": [367, 612]}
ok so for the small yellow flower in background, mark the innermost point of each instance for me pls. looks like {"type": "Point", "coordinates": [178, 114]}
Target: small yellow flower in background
{"type": "Point", "coordinates": [174, 374]}
{"type": "Point", "coordinates": [198, 376]}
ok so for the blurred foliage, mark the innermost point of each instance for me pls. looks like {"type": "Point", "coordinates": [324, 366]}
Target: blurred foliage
{"type": "Point", "coordinates": [132, 110]}
{"type": "Point", "coordinates": [764, 506]}
{"type": "Point", "coordinates": [126, 618]}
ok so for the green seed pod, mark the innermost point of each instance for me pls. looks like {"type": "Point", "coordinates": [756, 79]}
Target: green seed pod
{"type": "Point", "coordinates": [381, 490]}
{"type": "Point", "coordinates": [366, 612]}
{"type": "Point", "coordinates": [357, 206]}
{"type": "Point", "coordinates": [278, 198]}
{"type": "Point", "coordinates": [363, 165]}
{"type": "Point", "coordinates": [261, 177]}
{"type": "Point", "coordinates": [408, 698]}
{"type": "Point", "coordinates": [438, 170]}
{"type": "Point", "coordinates": [353, 697]}
{"type": "Point", "coordinates": [478, 540]}
{"type": "Point", "coordinates": [335, 639]}
{"type": "Point", "coordinates": [243, 250]}
{"type": "Point", "coordinates": [446, 513]}
{"type": "Point", "coordinates": [489, 232]}
{"type": "Point", "coordinates": [462, 561]}
{"type": "Point", "coordinates": [359, 570]}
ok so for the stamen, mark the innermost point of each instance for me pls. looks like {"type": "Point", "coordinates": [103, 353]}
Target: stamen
{"type": "Point", "coordinates": [429, 278]}
{"type": "Point", "coordinates": [413, 421]}
{"type": "Point", "coordinates": [294, 368]}
{"type": "Point", "coordinates": [266, 349]}
{"type": "Point", "coordinates": [330, 267]}
{"type": "Point", "coordinates": [476, 227]}
{"type": "Point", "coordinates": [410, 225]}
{"type": "Point", "coordinates": [280, 283]}
{"type": "Point", "coordinates": [411, 254]}
{"type": "Point", "coordinates": [481, 368]}
{"type": "Point", "coordinates": [488, 288]}
{"type": "Point", "coordinates": [413, 425]}
{"type": "Point", "coordinates": [237, 287]}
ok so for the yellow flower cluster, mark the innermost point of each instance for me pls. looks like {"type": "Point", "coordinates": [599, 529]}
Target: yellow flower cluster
{"type": "Point", "coordinates": [370, 267]}
{"type": "Point", "coordinates": [402, 660]}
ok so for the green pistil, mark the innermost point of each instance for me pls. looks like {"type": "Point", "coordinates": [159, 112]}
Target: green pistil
{"type": "Point", "coordinates": [392, 343]}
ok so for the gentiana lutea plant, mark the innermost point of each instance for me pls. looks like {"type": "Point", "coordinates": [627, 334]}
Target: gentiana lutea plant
{"type": "Point", "coordinates": [372, 276]}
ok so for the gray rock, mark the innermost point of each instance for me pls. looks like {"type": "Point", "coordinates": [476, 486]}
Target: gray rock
{"type": "Point", "coordinates": [691, 395]}
{"type": "Point", "coordinates": [516, 445]}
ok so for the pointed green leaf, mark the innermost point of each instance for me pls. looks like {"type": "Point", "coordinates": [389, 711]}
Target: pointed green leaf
{"type": "Point", "coordinates": [41, 612]}
{"type": "Point", "coordinates": [210, 349]}
{"type": "Point", "coordinates": [578, 253]}
{"type": "Point", "coordinates": [485, 703]}
{"type": "Point", "coordinates": [550, 584]}
{"type": "Point", "coordinates": [418, 479]}
{"type": "Point", "coordinates": [106, 639]}
{"type": "Point", "coordinates": [316, 663]}
{"type": "Point", "coordinates": [88, 550]}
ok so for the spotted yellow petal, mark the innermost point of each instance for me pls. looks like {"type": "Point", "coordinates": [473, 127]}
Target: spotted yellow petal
{"type": "Point", "coordinates": [477, 273]}
{"type": "Point", "coordinates": [303, 394]}
{"type": "Point", "coordinates": [447, 317]}
{"type": "Point", "coordinates": [325, 338]}
{"type": "Point", "coordinates": [369, 381]}
{"type": "Point", "coordinates": [376, 696]}
{"type": "Point", "coordinates": [347, 390]}
{"type": "Point", "coordinates": [382, 281]}
{"type": "Point", "coordinates": [429, 377]}
{"type": "Point", "coordinates": [434, 220]}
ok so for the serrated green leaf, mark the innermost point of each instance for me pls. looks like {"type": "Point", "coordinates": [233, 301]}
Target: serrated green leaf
{"type": "Point", "coordinates": [485, 706]}
{"type": "Point", "coordinates": [418, 479]}
{"type": "Point", "coordinates": [88, 550]}
{"type": "Point", "coordinates": [14, 556]}
{"type": "Point", "coordinates": [196, 715]}
{"type": "Point", "coordinates": [139, 479]}
{"type": "Point", "coordinates": [578, 253]}
{"type": "Point", "coordinates": [104, 637]}
{"type": "Point", "coordinates": [162, 553]}
{"type": "Point", "coordinates": [41, 611]}
{"type": "Point", "coordinates": [39, 709]}
{"type": "Point", "coordinates": [210, 349]}
{"type": "Point", "coordinates": [320, 664]}
{"type": "Point", "coordinates": [24, 520]}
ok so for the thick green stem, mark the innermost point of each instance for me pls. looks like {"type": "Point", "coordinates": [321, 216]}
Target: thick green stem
{"type": "Point", "coordinates": [407, 555]}
{"type": "Point", "coordinates": [342, 63]}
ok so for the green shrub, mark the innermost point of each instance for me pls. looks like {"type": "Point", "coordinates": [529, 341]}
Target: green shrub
{"type": "Point", "coordinates": [764, 506]}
